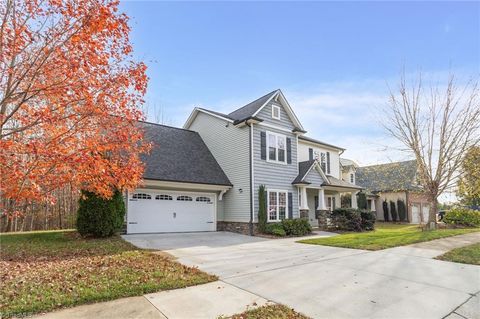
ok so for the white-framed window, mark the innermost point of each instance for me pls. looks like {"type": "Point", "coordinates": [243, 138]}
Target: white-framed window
{"type": "Point", "coordinates": [163, 197]}
{"type": "Point", "coordinates": [203, 199]}
{"type": "Point", "coordinates": [277, 205]}
{"type": "Point", "coordinates": [277, 147]}
{"type": "Point", "coordinates": [141, 196]}
{"type": "Point", "coordinates": [184, 198]}
{"type": "Point", "coordinates": [275, 112]}
{"type": "Point", "coordinates": [352, 178]}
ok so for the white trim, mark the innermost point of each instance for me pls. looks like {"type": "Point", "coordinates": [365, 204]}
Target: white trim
{"type": "Point", "coordinates": [192, 116]}
{"type": "Point", "coordinates": [329, 147]}
{"type": "Point", "coordinates": [286, 106]}
{"type": "Point", "coordinates": [277, 191]}
{"type": "Point", "coordinates": [252, 181]}
{"type": "Point", "coordinates": [277, 135]}
{"type": "Point", "coordinates": [275, 108]}
{"type": "Point", "coordinates": [179, 185]}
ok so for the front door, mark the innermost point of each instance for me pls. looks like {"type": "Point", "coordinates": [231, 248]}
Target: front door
{"type": "Point", "coordinates": [331, 205]}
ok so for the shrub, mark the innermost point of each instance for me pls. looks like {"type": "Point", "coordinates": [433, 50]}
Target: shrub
{"type": "Point", "coordinates": [275, 229]}
{"type": "Point", "coordinates": [262, 210]}
{"type": "Point", "coordinates": [385, 211]}
{"type": "Point", "coordinates": [362, 200]}
{"type": "Point", "coordinates": [99, 217]}
{"type": "Point", "coordinates": [346, 219]}
{"type": "Point", "coordinates": [296, 227]}
{"type": "Point", "coordinates": [402, 210]}
{"type": "Point", "coordinates": [368, 220]}
{"type": "Point", "coordinates": [346, 201]}
{"type": "Point", "coordinates": [393, 211]}
{"type": "Point", "coordinates": [463, 217]}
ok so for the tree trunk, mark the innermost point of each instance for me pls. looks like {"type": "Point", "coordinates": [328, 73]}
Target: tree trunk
{"type": "Point", "coordinates": [432, 215]}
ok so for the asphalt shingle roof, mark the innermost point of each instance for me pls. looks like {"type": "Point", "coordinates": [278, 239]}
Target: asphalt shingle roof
{"type": "Point", "coordinates": [303, 168]}
{"type": "Point", "coordinates": [347, 162]}
{"type": "Point", "coordinates": [180, 155]}
{"type": "Point", "coordinates": [338, 182]}
{"type": "Point", "coordinates": [388, 177]}
{"type": "Point", "coordinates": [248, 110]}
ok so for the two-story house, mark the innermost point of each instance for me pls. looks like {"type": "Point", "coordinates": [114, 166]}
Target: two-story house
{"type": "Point", "coordinates": [206, 176]}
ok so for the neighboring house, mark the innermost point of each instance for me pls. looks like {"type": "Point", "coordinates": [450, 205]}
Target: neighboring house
{"type": "Point", "coordinates": [217, 162]}
{"type": "Point", "coordinates": [394, 181]}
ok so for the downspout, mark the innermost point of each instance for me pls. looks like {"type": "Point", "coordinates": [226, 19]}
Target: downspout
{"type": "Point", "coordinates": [250, 224]}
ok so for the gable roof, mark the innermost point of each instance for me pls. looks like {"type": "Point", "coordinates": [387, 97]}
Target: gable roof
{"type": "Point", "coordinates": [304, 168]}
{"type": "Point", "coordinates": [250, 111]}
{"type": "Point", "coordinates": [180, 155]}
{"type": "Point", "coordinates": [396, 176]}
{"type": "Point", "coordinates": [251, 108]}
{"type": "Point", "coordinates": [311, 140]}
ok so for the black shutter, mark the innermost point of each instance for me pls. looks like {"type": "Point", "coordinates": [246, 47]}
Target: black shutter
{"type": "Point", "coordinates": [289, 150]}
{"type": "Point", "coordinates": [290, 205]}
{"type": "Point", "coordinates": [316, 203]}
{"type": "Point", "coordinates": [263, 145]}
{"type": "Point", "coordinates": [328, 162]}
{"type": "Point", "coordinates": [310, 153]}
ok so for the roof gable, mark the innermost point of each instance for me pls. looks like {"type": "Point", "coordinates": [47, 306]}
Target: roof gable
{"type": "Point", "coordinates": [304, 169]}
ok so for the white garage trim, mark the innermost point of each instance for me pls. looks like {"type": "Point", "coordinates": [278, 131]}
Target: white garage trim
{"type": "Point", "coordinates": [176, 206]}
{"type": "Point", "coordinates": [179, 185]}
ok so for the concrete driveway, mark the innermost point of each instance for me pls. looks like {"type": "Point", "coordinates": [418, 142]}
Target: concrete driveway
{"type": "Point", "coordinates": [329, 282]}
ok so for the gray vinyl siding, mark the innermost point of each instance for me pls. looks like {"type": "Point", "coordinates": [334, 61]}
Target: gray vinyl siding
{"type": "Point", "coordinates": [314, 178]}
{"type": "Point", "coordinates": [274, 175]}
{"type": "Point", "coordinates": [230, 147]}
{"type": "Point", "coordinates": [266, 115]}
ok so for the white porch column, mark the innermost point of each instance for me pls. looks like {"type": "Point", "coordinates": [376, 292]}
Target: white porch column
{"type": "Point", "coordinates": [321, 200]}
{"type": "Point", "coordinates": [372, 206]}
{"type": "Point", "coordinates": [303, 197]}
{"type": "Point", "coordinates": [354, 199]}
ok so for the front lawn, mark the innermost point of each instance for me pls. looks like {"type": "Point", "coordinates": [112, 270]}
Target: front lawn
{"type": "Point", "coordinates": [466, 255]}
{"type": "Point", "coordinates": [270, 312]}
{"type": "Point", "coordinates": [387, 236]}
{"type": "Point", "coordinates": [42, 271]}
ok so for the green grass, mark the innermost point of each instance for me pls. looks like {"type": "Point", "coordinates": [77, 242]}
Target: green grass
{"type": "Point", "coordinates": [269, 312]}
{"type": "Point", "coordinates": [387, 236]}
{"type": "Point", "coordinates": [43, 271]}
{"type": "Point", "coordinates": [465, 255]}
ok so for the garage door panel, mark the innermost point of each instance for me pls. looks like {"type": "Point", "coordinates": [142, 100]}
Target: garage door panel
{"type": "Point", "coordinates": [182, 213]}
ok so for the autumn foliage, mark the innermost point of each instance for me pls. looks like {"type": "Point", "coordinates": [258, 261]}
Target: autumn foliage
{"type": "Point", "coordinates": [69, 100]}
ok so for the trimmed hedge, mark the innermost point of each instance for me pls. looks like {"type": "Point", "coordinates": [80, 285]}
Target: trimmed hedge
{"type": "Point", "coordinates": [385, 211]}
{"type": "Point", "coordinates": [262, 210]}
{"type": "Point", "coordinates": [296, 227]}
{"type": "Point", "coordinates": [350, 219]}
{"type": "Point", "coordinates": [275, 229]}
{"type": "Point", "coordinates": [402, 210]}
{"type": "Point", "coordinates": [463, 217]}
{"type": "Point", "coordinates": [289, 227]}
{"type": "Point", "coordinates": [393, 211]}
{"type": "Point", "coordinates": [99, 217]}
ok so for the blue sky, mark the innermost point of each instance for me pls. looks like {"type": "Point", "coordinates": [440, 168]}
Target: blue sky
{"type": "Point", "coordinates": [332, 60]}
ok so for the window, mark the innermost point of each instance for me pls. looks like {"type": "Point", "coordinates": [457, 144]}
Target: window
{"type": "Point", "coordinates": [275, 112]}
{"type": "Point", "coordinates": [352, 179]}
{"type": "Point", "coordinates": [276, 145]}
{"type": "Point", "coordinates": [323, 163]}
{"type": "Point", "coordinates": [141, 196]}
{"type": "Point", "coordinates": [277, 205]}
{"type": "Point", "coordinates": [163, 197]}
{"type": "Point", "coordinates": [331, 203]}
{"type": "Point", "coordinates": [203, 199]}
{"type": "Point", "coordinates": [184, 198]}
{"type": "Point", "coordinates": [328, 162]}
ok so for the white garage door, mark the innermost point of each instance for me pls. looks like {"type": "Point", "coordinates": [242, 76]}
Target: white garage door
{"type": "Point", "coordinates": [416, 214]}
{"type": "Point", "coordinates": [152, 211]}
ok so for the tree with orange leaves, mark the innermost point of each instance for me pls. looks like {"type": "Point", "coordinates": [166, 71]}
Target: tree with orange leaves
{"type": "Point", "coordinates": [69, 100]}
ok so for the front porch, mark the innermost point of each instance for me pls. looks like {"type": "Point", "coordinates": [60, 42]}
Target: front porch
{"type": "Point", "coordinates": [326, 198]}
